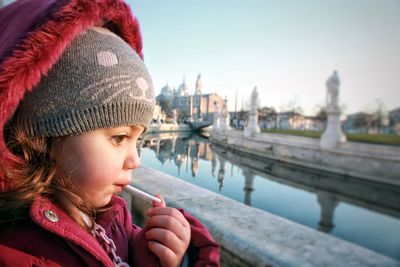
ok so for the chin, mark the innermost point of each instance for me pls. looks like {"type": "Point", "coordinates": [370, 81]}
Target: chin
{"type": "Point", "coordinates": [100, 203]}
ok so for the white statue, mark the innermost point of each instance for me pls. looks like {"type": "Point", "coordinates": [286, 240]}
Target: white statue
{"type": "Point", "coordinates": [332, 85]}
{"type": "Point", "coordinates": [252, 124]}
{"type": "Point", "coordinates": [225, 117]}
{"type": "Point", "coordinates": [254, 98]}
{"type": "Point", "coordinates": [333, 135]}
{"type": "Point", "coordinates": [216, 122]}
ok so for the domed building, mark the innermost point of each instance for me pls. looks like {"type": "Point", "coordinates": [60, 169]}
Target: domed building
{"type": "Point", "coordinates": [167, 91]}
{"type": "Point", "coordinates": [183, 89]}
{"type": "Point", "coordinates": [196, 107]}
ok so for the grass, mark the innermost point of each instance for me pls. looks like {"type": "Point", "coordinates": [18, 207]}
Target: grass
{"type": "Point", "coordinates": [392, 140]}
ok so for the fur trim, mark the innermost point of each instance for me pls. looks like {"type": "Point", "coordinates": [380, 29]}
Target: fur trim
{"type": "Point", "coordinates": [34, 57]}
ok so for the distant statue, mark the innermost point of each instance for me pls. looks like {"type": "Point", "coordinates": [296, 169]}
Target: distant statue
{"type": "Point", "coordinates": [254, 98]}
{"type": "Point", "coordinates": [224, 116]}
{"type": "Point", "coordinates": [333, 136]}
{"type": "Point", "coordinates": [216, 119]}
{"type": "Point", "coordinates": [332, 85]}
{"type": "Point", "coordinates": [252, 124]}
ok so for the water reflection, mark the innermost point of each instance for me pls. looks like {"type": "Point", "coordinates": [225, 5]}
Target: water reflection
{"type": "Point", "coordinates": [276, 187]}
{"type": "Point", "coordinates": [186, 150]}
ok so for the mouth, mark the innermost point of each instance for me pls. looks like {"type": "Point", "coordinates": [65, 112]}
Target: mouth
{"type": "Point", "coordinates": [122, 185]}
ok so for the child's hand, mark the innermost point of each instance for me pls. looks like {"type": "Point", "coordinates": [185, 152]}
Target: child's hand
{"type": "Point", "coordinates": [168, 234]}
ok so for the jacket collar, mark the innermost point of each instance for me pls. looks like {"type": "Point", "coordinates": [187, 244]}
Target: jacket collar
{"type": "Point", "coordinates": [52, 218]}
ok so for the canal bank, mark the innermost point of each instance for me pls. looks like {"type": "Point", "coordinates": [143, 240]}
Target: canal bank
{"type": "Point", "coordinates": [249, 236]}
{"type": "Point", "coordinates": [356, 210]}
{"type": "Point", "coordinates": [372, 162]}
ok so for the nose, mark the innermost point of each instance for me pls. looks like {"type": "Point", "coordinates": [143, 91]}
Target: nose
{"type": "Point", "coordinates": [132, 160]}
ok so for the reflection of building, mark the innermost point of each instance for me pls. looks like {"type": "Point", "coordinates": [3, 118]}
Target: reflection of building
{"type": "Point", "coordinates": [189, 152]}
{"type": "Point", "coordinates": [179, 149]}
{"type": "Point", "coordinates": [198, 106]}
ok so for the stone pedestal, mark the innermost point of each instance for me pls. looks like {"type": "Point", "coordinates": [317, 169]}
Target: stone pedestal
{"type": "Point", "coordinates": [252, 126]}
{"type": "Point", "coordinates": [333, 135]}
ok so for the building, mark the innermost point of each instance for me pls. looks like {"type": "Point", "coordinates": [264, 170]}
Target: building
{"type": "Point", "coordinates": [296, 121]}
{"type": "Point", "coordinates": [394, 121]}
{"type": "Point", "coordinates": [359, 122]}
{"type": "Point", "coordinates": [362, 122]}
{"type": "Point", "coordinates": [189, 107]}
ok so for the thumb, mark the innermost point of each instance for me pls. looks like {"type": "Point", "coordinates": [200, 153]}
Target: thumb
{"type": "Point", "coordinates": [159, 205]}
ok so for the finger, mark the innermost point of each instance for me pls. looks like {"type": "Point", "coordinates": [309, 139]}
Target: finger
{"type": "Point", "coordinates": [169, 223]}
{"type": "Point", "coordinates": [156, 204]}
{"type": "Point", "coordinates": [165, 237]}
{"type": "Point", "coordinates": [167, 257]}
{"type": "Point", "coordinates": [169, 212]}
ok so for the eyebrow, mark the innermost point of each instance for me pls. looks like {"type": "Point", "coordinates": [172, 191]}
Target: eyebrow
{"type": "Point", "coordinates": [138, 127]}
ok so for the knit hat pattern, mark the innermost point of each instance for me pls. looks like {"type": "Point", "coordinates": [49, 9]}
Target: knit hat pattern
{"type": "Point", "coordinates": [98, 82]}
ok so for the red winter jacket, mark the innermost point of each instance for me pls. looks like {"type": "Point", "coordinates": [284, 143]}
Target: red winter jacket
{"type": "Point", "coordinates": [44, 241]}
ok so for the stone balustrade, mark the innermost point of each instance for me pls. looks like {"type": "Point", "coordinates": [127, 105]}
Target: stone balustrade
{"type": "Point", "coordinates": [249, 236]}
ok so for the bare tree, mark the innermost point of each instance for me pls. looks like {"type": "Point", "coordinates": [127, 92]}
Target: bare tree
{"type": "Point", "coordinates": [379, 115]}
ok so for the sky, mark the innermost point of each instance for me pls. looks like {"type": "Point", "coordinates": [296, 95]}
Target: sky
{"type": "Point", "coordinates": [288, 49]}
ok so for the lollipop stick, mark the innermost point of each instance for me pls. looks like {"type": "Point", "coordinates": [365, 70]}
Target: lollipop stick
{"type": "Point", "coordinates": [136, 191]}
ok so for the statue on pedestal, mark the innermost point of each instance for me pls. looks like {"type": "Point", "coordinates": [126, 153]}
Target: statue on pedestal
{"type": "Point", "coordinates": [332, 85]}
{"type": "Point", "coordinates": [216, 120]}
{"type": "Point", "coordinates": [225, 117]}
{"type": "Point", "coordinates": [254, 98]}
{"type": "Point", "coordinates": [252, 125]}
{"type": "Point", "coordinates": [333, 135]}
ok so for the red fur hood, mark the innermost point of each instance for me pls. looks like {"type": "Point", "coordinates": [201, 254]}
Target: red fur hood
{"type": "Point", "coordinates": [33, 35]}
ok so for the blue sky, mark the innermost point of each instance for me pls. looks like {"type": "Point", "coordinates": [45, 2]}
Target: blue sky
{"type": "Point", "coordinates": [286, 48]}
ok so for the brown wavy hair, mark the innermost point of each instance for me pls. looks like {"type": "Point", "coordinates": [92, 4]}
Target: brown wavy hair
{"type": "Point", "coordinates": [35, 175]}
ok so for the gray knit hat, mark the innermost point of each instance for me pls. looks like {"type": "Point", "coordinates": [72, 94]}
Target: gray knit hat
{"type": "Point", "coordinates": [98, 82]}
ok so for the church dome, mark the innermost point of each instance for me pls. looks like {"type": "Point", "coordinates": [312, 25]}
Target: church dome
{"type": "Point", "coordinates": [167, 91]}
{"type": "Point", "coordinates": [183, 89]}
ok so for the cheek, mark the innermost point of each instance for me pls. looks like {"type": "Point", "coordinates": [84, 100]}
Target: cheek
{"type": "Point", "coordinates": [95, 172]}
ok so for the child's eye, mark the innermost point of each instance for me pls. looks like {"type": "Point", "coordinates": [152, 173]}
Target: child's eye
{"type": "Point", "coordinates": [119, 139]}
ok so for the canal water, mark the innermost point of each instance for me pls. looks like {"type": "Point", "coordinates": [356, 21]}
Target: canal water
{"type": "Point", "coordinates": [361, 212]}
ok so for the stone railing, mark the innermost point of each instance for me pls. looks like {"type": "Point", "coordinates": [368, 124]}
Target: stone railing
{"type": "Point", "coordinates": [372, 162]}
{"type": "Point", "coordinates": [249, 236]}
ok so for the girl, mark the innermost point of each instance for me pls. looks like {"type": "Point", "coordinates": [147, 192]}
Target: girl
{"type": "Point", "coordinates": [75, 97]}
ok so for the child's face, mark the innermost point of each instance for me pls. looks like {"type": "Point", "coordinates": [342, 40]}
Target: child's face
{"type": "Point", "coordinates": [99, 162]}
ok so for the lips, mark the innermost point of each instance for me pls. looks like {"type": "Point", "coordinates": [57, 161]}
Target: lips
{"type": "Point", "coordinates": [122, 184]}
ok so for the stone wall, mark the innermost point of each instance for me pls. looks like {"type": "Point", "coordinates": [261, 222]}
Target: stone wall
{"type": "Point", "coordinates": [249, 236]}
{"type": "Point", "coordinates": [374, 162]}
